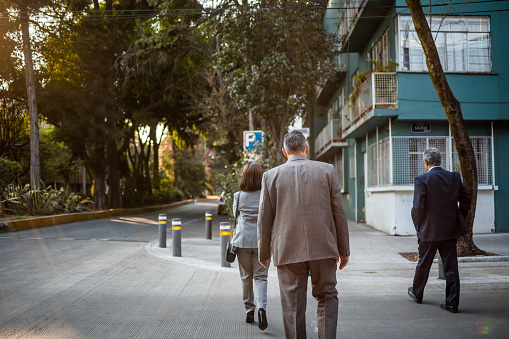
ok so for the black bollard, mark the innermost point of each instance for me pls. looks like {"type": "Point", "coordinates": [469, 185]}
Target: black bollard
{"type": "Point", "coordinates": [224, 228]}
{"type": "Point", "coordinates": [441, 274]}
{"type": "Point", "coordinates": [208, 225]}
{"type": "Point", "coordinates": [176, 227]}
{"type": "Point", "coordinates": [162, 230]}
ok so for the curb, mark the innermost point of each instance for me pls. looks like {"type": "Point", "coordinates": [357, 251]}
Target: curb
{"type": "Point", "coordinates": [491, 258]}
{"type": "Point", "coordinates": [52, 220]}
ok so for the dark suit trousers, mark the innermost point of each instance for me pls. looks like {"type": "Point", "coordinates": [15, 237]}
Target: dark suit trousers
{"type": "Point", "coordinates": [293, 280]}
{"type": "Point", "coordinates": [447, 250]}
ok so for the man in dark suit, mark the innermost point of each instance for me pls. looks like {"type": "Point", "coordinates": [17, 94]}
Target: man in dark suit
{"type": "Point", "coordinates": [302, 223]}
{"type": "Point", "coordinates": [439, 222]}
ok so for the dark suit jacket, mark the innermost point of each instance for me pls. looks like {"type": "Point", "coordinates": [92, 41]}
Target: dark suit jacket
{"type": "Point", "coordinates": [302, 216]}
{"type": "Point", "coordinates": [435, 212]}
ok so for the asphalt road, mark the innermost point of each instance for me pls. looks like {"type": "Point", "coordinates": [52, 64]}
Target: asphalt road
{"type": "Point", "coordinates": [97, 279]}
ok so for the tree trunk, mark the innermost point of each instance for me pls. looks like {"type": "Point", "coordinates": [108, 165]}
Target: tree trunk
{"type": "Point", "coordinates": [156, 179]}
{"type": "Point", "coordinates": [114, 191]}
{"type": "Point", "coordinates": [452, 109]}
{"type": "Point", "coordinates": [98, 167]}
{"type": "Point", "coordinates": [84, 179]}
{"type": "Point", "coordinates": [100, 187]}
{"type": "Point", "coordinates": [35, 164]}
{"type": "Point", "coordinates": [176, 182]}
{"type": "Point", "coordinates": [278, 128]}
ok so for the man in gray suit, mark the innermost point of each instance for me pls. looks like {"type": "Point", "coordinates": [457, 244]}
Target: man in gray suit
{"type": "Point", "coordinates": [302, 221]}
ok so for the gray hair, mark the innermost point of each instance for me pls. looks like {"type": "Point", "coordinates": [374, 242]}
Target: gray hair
{"type": "Point", "coordinates": [432, 155]}
{"type": "Point", "coordinates": [294, 142]}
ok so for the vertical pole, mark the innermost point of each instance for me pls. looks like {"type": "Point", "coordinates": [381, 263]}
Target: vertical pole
{"type": "Point", "coordinates": [449, 157]}
{"type": "Point", "coordinates": [224, 228]}
{"type": "Point", "coordinates": [176, 236]}
{"type": "Point", "coordinates": [208, 225]}
{"type": "Point", "coordinates": [440, 268]}
{"type": "Point", "coordinates": [492, 157]}
{"type": "Point", "coordinates": [391, 165]}
{"type": "Point", "coordinates": [162, 230]}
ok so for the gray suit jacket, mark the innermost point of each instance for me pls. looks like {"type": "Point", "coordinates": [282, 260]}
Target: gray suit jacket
{"type": "Point", "coordinates": [245, 234]}
{"type": "Point", "coordinates": [302, 216]}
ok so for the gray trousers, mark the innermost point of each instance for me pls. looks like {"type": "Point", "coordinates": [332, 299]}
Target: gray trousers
{"type": "Point", "coordinates": [293, 280]}
{"type": "Point", "coordinates": [250, 269]}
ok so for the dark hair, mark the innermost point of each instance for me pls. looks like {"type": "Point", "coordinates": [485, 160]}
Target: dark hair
{"type": "Point", "coordinates": [294, 142]}
{"type": "Point", "coordinates": [251, 178]}
{"type": "Point", "coordinates": [432, 155]}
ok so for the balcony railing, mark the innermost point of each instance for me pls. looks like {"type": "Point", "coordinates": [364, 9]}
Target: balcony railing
{"type": "Point", "coordinates": [348, 16]}
{"type": "Point", "coordinates": [330, 134]}
{"type": "Point", "coordinates": [380, 90]}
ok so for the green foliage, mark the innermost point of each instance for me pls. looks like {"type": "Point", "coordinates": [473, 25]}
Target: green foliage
{"type": "Point", "coordinates": [56, 157]}
{"type": "Point", "coordinates": [9, 172]}
{"type": "Point", "coordinates": [14, 132]}
{"type": "Point", "coordinates": [21, 199]}
{"type": "Point", "coordinates": [273, 60]}
{"type": "Point", "coordinates": [228, 183]}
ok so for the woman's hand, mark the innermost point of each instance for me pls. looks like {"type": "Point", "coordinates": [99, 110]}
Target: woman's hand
{"type": "Point", "coordinates": [265, 263]}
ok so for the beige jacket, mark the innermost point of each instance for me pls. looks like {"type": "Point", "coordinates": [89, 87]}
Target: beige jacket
{"type": "Point", "coordinates": [302, 216]}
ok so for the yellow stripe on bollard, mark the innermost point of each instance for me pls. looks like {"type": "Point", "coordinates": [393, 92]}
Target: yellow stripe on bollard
{"type": "Point", "coordinates": [162, 222]}
{"type": "Point", "coordinates": [176, 228]}
{"type": "Point", "coordinates": [225, 233]}
{"type": "Point", "coordinates": [208, 218]}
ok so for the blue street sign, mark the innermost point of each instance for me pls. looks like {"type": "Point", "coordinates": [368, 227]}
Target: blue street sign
{"type": "Point", "coordinates": [252, 138]}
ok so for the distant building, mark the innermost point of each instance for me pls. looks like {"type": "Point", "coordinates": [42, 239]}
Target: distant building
{"type": "Point", "coordinates": [373, 122]}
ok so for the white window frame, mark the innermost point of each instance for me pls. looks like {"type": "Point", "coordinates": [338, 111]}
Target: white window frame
{"type": "Point", "coordinates": [438, 23]}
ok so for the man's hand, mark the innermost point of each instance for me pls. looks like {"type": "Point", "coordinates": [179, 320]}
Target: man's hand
{"type": "Point", "coordinates": [265, 263]}
{"type": "Point", "coordinates": [344, 262]}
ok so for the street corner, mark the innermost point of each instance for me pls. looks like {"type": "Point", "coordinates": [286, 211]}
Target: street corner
{"type": "Point", "coordinates": [199, 253]}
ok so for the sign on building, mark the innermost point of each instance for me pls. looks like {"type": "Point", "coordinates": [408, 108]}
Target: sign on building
{"type": "Point", "coordinates": [252, 138]}
{"type": "Point", "coordinates": [420, 128]}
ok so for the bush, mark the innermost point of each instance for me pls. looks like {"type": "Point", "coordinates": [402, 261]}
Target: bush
{"type": "Point", "coordinates": [21, 199]}
{"type": "Point", "coordinates": [9, 172]}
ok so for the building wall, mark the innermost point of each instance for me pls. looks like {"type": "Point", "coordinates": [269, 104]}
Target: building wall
{"type": "Point", "coordinates": [483, 98]}
{"type": "Point", "coordinates": [389, 211]}
{"type": "Point", "coordinates": [501, 130]}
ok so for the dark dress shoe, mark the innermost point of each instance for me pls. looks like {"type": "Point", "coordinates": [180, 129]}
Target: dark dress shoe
{"type": "Point", "coordinates": [452, 309]}
{"type": "Point", "coordinates": [262, 319]}
{"type": "Point", "coordinates": [412, 295]}
{"type": "Point", "coordinates": [250, 317]}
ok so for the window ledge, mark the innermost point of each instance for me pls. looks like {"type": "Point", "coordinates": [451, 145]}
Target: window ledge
{"type": "Point", "coordinates": [463, 73]}
{"type": "Point", "coordinates": [410, 188]}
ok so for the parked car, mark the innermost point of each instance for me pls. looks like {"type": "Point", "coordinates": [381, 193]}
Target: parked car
{"type": "Point", "coordinates": [221, 207]}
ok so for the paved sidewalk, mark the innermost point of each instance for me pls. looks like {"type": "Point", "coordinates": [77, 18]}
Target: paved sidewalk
{"type": "Point", "coordinates": [375, 256]}
{"type": "Point", "coordinates": [107, 278]}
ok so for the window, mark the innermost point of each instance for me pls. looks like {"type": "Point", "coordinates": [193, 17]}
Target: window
{"type": "Point", "coordinates": [482, 152]}
{"type": "Point", "coordinates": [352, 166]}
{"type": "Point", "coordinates": [338, 164]}
{"type": "Point", "coordinates": [407, 159]}
{"type": "Point", "coordinates": [380, 52]}
{"type": "Point", "coordinates": [378, 164]}
{"type": "Point", "coordinates": [463, 43]}
{"type": "Point", "coordinates": [407, 156]}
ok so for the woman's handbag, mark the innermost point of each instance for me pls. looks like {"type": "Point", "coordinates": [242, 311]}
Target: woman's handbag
{"type": "Point", "coordinates": [231, 251]}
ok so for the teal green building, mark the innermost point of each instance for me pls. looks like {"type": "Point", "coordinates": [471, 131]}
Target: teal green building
{"type": "Point", "coordinates": [375, 117]}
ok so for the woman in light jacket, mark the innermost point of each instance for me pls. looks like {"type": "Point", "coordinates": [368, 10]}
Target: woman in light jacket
{"type": "Point", "coordinates": [245, 207]}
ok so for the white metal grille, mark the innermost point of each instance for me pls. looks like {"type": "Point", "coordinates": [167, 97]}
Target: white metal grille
{"type": "Point", "coordinates": [378, 164]}
{"type": "Point", "coordinates": [386, 88]}
{"type": "Point", "coordinates": [407, 156]}
{"type": "Point", "coordinates": [482, 152]}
